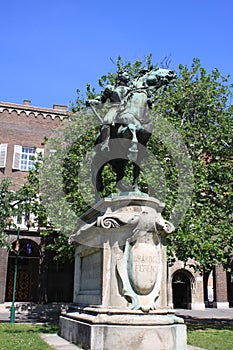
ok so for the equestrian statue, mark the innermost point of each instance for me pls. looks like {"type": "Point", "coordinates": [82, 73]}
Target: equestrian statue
{"type": "Point", "coordinates": [126, 127]}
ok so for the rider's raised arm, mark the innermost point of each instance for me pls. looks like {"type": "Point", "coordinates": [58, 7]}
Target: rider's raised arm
{"type": "Point", "coordinates": [97, 101]}
{"type": "Point", "coordinates": [106, 94]}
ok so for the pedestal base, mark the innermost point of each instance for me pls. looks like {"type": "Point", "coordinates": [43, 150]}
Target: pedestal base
{"type": "Point", "coordinates": [120, 282]}
{"type": "Point", "coordinates": [101, 330]}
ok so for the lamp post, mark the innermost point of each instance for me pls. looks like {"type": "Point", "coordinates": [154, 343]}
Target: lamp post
{"type": "Point", "coordinates": [12, 314]}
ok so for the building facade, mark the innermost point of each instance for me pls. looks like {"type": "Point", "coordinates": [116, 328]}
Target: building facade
{"type": "Point", "coordinates": [188, 289]}
{"type": "Point", "coordinates": [39, 277]}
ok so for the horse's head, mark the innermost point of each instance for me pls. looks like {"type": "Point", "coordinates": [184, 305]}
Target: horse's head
{"type": "Point", "coordinates": [155, 77]}
{"type": "Point", "coordinates": [159, 77]}
{"type": "Point", "coordinates": [164, 73]}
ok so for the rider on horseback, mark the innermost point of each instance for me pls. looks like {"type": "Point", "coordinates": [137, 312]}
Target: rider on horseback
{"type": "Point", "coordinates": [115, 94]}
{"type": "Point", "coordinates": [127, 123]}
{"type": "Point", "coordinates": [126, 102]}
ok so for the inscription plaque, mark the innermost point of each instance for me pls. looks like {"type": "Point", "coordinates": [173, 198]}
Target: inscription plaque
{"type": "Point", "coordinates": [91, 272]}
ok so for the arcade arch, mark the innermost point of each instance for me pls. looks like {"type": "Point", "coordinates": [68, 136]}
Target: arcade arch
{"type": "Point", "coordinates": [27, 271]}
{"type": "Point", "coordinates": [182, 282]}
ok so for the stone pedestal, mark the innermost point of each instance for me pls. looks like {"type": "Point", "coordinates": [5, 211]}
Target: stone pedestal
{"type": "Point", "coordinates": [120, 289]}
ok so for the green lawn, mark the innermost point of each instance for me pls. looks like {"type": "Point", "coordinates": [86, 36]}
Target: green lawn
{"type": "Point", "coordinates": [211, 337]}
{"type": "Point", "coordinates": [27, 336]}
{"type": "Point", "coordinates": [24, 336]}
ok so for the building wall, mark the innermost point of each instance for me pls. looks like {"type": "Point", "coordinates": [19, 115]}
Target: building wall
{"type": "Point", "coordinates": [195, 283]}
{"type": "Point", "coordinates": [46, 279]}
{"type": "Point", "coordinates": [26, 125]}
{"type": "Point", "coordinates": [221, 288]}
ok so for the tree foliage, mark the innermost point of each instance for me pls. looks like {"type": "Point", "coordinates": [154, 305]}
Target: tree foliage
{"type": "Point", "coordinates": [6, 207]}
{"type": "Point", "coordinates": [198, 105]}
{"type": "Point", "coordinates": [27, 201]}
{"type": "Point", "coordinates": [192, 113]}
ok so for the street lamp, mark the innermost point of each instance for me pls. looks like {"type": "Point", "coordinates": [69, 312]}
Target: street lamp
{"type": "Point", "coordinates": [12, 314]}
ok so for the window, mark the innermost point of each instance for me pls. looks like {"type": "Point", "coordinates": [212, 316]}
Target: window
{"type": "Point", "coordinates": [24, 221]}
{"type": "Point", "coordinates": [24, 157]}
{"type": "Point", "coordinates": [3, 153]}
{"type": "Point", "coordinates": [27, 158]}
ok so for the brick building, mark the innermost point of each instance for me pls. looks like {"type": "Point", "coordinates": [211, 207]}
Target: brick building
{"type": "Point", "coordinates": [39, 277]}
{"type": "Point", "coordinates": [189, 290]}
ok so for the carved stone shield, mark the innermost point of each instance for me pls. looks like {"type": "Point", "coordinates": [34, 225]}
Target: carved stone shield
{"type": "Point", "coordinates": [143, 265]}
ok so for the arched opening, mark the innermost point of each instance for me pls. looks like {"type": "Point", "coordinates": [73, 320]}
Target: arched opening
{"type": "Point", "coordinates": [209, 293]}
{"type": "Point", "coordinates": [27, 271]}
{"type": "Point", "coordinates": [181, 288]}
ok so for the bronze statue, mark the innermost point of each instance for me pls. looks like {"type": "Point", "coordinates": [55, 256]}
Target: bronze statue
{"type": "Point", "coordinates": [127, 126]}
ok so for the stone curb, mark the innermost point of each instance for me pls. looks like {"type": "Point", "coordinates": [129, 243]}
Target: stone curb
{"type": "Point", "coordinates": [59, 343]}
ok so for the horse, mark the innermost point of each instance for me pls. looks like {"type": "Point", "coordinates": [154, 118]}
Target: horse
{"type": "Point", "coordinates": [129, 133]}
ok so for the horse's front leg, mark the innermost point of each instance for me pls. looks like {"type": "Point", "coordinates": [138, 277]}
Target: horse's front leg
{"type": "Point", "coordinates": [136, 172]}
{"type": "Point", "coordinates": [97, 181]}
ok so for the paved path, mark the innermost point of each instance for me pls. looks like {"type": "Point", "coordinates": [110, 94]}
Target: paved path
{"type": "Point", "coordinates": [209, 315]}
{"type": "Point", "coordinates": [58, 343]}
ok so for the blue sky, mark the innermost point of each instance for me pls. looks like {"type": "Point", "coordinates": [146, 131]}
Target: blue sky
{"type": "Point", "coordinates": [50, 48]}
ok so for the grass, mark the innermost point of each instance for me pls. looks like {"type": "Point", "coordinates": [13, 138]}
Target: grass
{"type": "Point", "coordinates": [24, 336]}
{"type": "Point", "coordinates": [211, 337]}
{"type": "Point", "coordinates": [27, 336]}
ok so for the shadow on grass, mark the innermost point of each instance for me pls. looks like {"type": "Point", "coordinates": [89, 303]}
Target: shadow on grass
{"type": "Point", "coordinates": [38, 313]}
{"type": "Point", "coordinates": [27, 328]}
{"type": "Point", "coordinates": [206, 321]}
{"type": "Point", "coordinates": [202, 326]}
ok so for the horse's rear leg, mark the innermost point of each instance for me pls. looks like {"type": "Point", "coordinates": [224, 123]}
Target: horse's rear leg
{"type": "Point", "coordinates": [97, 180]}
{"type": "Point", "coordinates": [120, 173]}
{"type": "Point", "coordinates": [119, 184]}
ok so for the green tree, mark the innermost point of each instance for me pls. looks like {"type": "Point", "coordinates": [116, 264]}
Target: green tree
{"type": "Point", "coordinates": [27, 201]}
{"type": "Point", "coordinates": [198, 107]}
{"type": "Point", "coordinates": [22, 201]}
{"type": "Point", "coordinates": [7, 199]}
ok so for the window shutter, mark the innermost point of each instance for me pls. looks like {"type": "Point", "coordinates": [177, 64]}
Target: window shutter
{"type": "Point", "coordinates": [17, 157]}
{"type": "Point", "coordinates": [3, 153]}
{"type": "Point", "coordinates": [38, 151]}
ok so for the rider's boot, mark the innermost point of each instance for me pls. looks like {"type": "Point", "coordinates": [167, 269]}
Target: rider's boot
{"type": "Point", "coordinates": [106, 138]}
